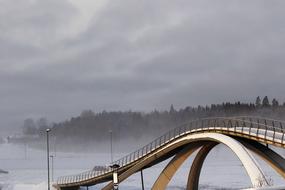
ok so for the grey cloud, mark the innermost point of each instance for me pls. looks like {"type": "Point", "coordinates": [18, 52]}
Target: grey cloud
{"type": "Point", "coordinates": [34, 22]}
{"type": "Point", "coordinates": [139, 55]}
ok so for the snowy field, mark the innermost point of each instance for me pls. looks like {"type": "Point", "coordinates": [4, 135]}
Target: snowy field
{"type": "Point", "coordinates": [27, 169]}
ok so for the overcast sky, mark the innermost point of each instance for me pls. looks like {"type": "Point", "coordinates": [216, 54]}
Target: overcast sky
{"type": "Point", "coordinates": [59, 57]}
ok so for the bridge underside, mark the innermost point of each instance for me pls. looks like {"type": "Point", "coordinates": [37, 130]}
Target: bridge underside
{"type": "Point", "coordinates": [69, 188]}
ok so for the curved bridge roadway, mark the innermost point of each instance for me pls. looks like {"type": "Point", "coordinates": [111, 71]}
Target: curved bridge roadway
{"type": "Point", "coordinates": [240, 134]}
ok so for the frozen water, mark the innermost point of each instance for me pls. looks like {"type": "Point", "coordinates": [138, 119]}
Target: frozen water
{"type": "Point", "coordinates": [222, 169]}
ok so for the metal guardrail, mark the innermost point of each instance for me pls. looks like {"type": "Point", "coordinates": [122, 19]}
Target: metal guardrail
{"type": "Point", "coordinates": [255, 126]}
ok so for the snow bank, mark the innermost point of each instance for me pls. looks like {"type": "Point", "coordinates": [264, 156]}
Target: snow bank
{"type": "Point", "coordinates": [41, 186]}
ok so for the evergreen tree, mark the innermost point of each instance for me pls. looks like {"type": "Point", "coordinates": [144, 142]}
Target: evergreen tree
{"type": "Point", "coordinates": [265, 102]}
{"type": "Point", "coordinates": [172, 110]}
{"type": "Point", "coordinates": [275, 103]}
{"type": "Point", "coordinates": [258, 102]}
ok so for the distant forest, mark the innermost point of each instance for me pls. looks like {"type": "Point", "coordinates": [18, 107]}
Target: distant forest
{"type": "Point", "coordinates": [90, 126]}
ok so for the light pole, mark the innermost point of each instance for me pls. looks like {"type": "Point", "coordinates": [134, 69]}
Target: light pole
{"type": "Point", "coordinates": [54, 146]}
{"type": "Point", "coordinates": [111, 144]}
{"type": "Point", "coordinates": [25, 150]}
{"type": "Point", "coordinates": [142, 179]}
{"type": "Point", "coordinates": [51, 156]}
{"type": "Point", "coordinates": [47, 131]}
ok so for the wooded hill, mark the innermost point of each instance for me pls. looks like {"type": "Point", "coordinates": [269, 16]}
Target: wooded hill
{"type": "Point", "coordinates": [90, 126]}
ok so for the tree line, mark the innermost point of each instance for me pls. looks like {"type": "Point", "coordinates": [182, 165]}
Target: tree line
{"type": "Point", "coordinates": [90, 126]}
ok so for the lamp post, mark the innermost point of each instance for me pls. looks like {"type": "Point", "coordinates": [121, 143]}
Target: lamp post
{"type": "Point", "coordinates": [54, 146]}
{"type": "Point", "coordinates": [142, 179]}
{"type": "Point", "coordinates": [25, 150]}
{"type": "Point", "coordinates": [115, 168]}
{"type": "Point", "coordinates": [52, 156]}
{"type": "Point", "coordinates": [47, 131]}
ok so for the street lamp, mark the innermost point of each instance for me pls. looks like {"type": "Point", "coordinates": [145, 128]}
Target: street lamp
{"type": "Point", "coordinates": [47, 131]}
{"type": "Point", "coordinates": [115, 168]}
{"type": "Point", "coordinates": [142, 179]}
{"type": "Point", "coordinates": [25, 149]}
{"type": "Point", "coordinates": [54, 146]}
{"type": "Point", "coordinates": [52, 156]}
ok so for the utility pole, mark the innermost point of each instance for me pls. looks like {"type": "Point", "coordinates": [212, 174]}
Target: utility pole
{"type": "Point", "coordinates": [25, 148]}
{"type": "Point", "coordinates": [52, 167]}
{"type": "Point", "coordinates": [47, 131]}
{"type": "Point", "coordinates": [54, 146]}
{"type": "Point", "coordinates": [142, 180]}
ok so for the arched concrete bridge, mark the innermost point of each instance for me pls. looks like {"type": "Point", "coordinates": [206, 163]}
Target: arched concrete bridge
{"type": "Point", "coordinates": [242, 135]}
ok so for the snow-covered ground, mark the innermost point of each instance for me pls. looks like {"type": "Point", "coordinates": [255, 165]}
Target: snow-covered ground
{"type": "Point", "coordinates": [27, 169]}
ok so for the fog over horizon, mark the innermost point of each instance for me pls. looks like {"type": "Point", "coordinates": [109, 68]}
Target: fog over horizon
{"type": "Point", "coordinates": [58, 58]}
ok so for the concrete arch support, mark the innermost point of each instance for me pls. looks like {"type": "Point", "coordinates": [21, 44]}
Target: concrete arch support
{"type": "Point", "coordinates": [194, 175]}
{"type": "Point", "coordinates": [252, 168]}
{"type": "Point", "coordinates": [171, 168]}
{"type": "Point", "coordinates": [255, 173]}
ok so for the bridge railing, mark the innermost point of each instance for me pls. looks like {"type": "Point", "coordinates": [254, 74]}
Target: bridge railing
{"type": "Point", "coordinates": [255, 126]}
{"type": "Point", "coordinates": [268, 128]}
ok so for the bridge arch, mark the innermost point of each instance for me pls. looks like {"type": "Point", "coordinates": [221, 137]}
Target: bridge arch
{"type": "Point", "coordinates": [194, 174]}
{"type": "Point", "coordinates": [255, 173]}
{"type": "Point", "coordinates": [276, 161]}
